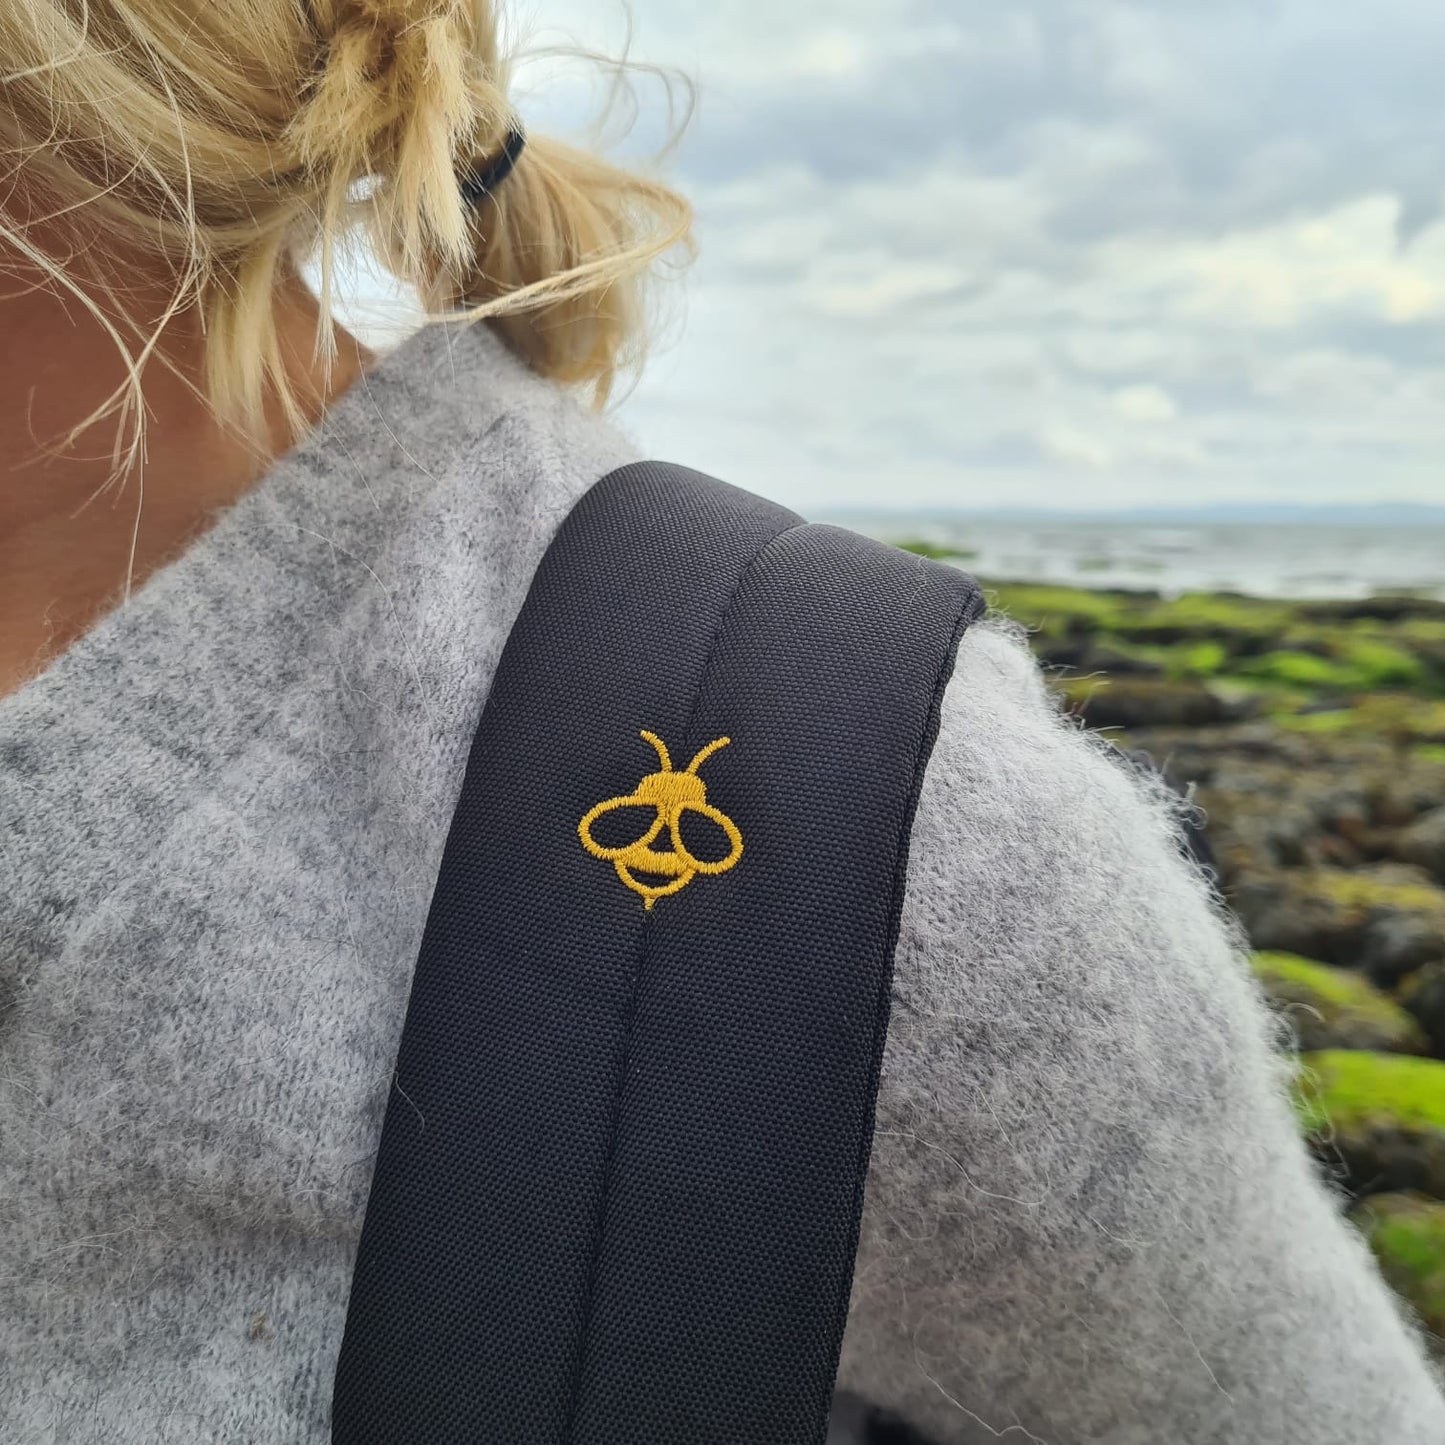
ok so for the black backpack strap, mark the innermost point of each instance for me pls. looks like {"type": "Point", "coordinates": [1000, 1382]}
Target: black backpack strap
{"type": "Point", "coordinates": [618, 1192]}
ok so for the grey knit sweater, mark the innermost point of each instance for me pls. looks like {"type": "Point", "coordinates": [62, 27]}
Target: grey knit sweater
{"type": "Point", "coordinates": [221, 817]}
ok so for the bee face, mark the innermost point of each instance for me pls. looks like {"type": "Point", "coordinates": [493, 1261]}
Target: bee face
{"type": "Point", "coordinates": [670, 795]}
{"type": "Point", "coordinates": [670, 791]}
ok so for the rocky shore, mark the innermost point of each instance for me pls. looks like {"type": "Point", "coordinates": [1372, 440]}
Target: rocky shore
{"type": "Point", "coordinates": [1312, 736]}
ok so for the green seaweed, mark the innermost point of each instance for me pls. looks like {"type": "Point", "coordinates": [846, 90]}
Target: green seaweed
{"type": "Point", "coordinates": [1342, 1000]}
{"type": "Point", "coordinates": [1422, 631]}
{"type": "Point", "coordinates": [1345, 1088]}
{"type": "Point", "coordinates": [1378, 665]}
{"type": "Point", "coordinates": [1396, 717]}
{"type": "Point", "coordinates": [1337, 720]}
{"type": "Point", "coordinates": [1337, 987]}
{"type": "Point", "coordinates": [1208, 614]}
{"type": "Point", "coordinates": [1295, 652]}
{"type": "Point", "coordinates": [1056, 611]}
{"type": "Point", "coordinates": [1403, 718]}
{"type": "Point", "coordinates": [1365, 892]}
{"type": "Point", "coordinates": [1199, 659]}
{"type": "Point", "coordinates": [1303, 670]}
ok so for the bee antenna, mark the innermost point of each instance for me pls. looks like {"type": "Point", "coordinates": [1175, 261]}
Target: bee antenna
{"type": "Point", "coordinates": [661, 747]}
{"type": "Point", "coordinates": [706, 753]}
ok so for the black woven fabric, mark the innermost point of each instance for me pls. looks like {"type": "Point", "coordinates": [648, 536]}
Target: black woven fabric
{"type": "Point", "coordinates": [620, 1178]}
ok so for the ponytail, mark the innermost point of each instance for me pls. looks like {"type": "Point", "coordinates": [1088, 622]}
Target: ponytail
{"type": "Point", "coordinates": [240, 140]}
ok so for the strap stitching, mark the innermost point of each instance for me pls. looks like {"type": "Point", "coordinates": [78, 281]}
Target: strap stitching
{"type": "Point", "coordinates": [643, 938]}
{"type": "Point", "coordinates": [972, 608]}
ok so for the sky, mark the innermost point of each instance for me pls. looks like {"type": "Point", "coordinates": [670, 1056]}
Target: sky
{"type": "Point", "coordinates": [1054, 253]}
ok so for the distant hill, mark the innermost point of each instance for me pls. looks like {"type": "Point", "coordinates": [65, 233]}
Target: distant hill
{"type": "Point", "coordinates": [1389, 514]}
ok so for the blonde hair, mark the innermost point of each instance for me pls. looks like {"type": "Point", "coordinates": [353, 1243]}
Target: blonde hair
{"type": "Point", "coordinates": [233, 137]}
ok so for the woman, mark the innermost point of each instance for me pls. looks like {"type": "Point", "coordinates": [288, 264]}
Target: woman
{"type": "Point", "coordinates": [252, 591]}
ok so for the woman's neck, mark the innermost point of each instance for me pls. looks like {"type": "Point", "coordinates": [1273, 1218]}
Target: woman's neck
{"type": "Point", "coordinates": [76, 534]}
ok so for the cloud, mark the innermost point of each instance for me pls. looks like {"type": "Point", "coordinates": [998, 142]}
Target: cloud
{"type": "Point", "coordinates": [1145, 403]}
{"type": "Point", "coordinates": [1076, 448]}
{"type": "Point", "coordinates": [1059, 250]}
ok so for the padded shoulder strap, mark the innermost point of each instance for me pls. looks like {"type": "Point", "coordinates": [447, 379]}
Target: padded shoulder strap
{"type": "Point", "coordinates": [619, 1186]}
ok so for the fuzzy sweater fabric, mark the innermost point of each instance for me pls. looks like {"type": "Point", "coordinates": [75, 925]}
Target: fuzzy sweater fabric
{"type": "Point", "coordinates": [1088, 1217]}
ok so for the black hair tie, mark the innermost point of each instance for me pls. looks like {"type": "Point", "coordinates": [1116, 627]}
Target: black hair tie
{"type": "Point", "coordinates": [478, 184]}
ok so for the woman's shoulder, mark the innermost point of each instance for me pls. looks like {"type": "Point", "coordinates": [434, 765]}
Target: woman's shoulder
{"type": "Point", "coordinates": [416, 515]}
{"type": "Point", "coordinates": [1048, 881]}
{"type": "Point", "coordinates": [452, 430]}
{"type": "Point", "coordinates": [1087, 1187]}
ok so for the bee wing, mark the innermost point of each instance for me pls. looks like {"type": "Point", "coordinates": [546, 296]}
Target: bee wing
{"type": "Point", "coordinates": [615, 805]}
{"type": "Point", "coordinates": [720, 820]}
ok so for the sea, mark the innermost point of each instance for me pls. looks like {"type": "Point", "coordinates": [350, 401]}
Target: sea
{"type": "Point", "coordinates": [1278, 557]}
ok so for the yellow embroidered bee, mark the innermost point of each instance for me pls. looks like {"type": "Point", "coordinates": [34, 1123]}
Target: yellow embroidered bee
{"type": "Point", "coordinates": [671, 794]}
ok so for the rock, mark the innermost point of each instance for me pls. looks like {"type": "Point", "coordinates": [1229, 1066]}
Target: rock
{"type": "Point", "coordinates": [1386, 919]}
{"type": "Point", "coordinates": [1395, 944]}
{"type": "Point", "coordinates": [1378, 844]}
{"type": "Point", "coordinates": [1243, 626]}
{"type": "Point", "coordinates": [1404, 720]}
{"type": "Point", "coordinates": [1147, 702]}
{"type": "Point", "coordinates": [1119, 663]}
{"type": "Point", "coordinates": [1422, 994]}
{"type": "Point", "coordinates": [1423, 843]}
{"type": "Point", "coordinates": [1081, 654]}
{"type": "Point", "coordinates": [1383, 607]}
{"type": "Point", "coordinates": [1336, 1008]}
{"type": "Point", "coordinates": [1376, 1120]}
{"type": "Point", "coordinates": [1068, 651]}
{"type": "Point", "coordinates": [1409, 794]}
{"type": "Point", "coordinates": [1253, 841]}
{"type": "Point", "coordinates": [1406, 1232]}
{"type": "Point", "coordinates": [1276, 799]}
{"type": "Point", "coordinates": [1283, 916]}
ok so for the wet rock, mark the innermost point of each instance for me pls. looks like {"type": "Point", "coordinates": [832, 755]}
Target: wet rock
{"type": "Point", "coordinates": [1405, 797]}
{"type": "Point", "coordinates": [1336, 1008]}
{"type": "Point", "coordinates": [1402, 720]}
{"type": "Point", "coordinates": [1423, 843]}
{"type": "Point", "coordinates": [1282, 800]}
{"type": "Point", "coordinates": [1281, 916]}
{"type": "Point", "coordinates": [1386, 607]}
{"type": "Point", "coordinates": [1253, 841]}
{"type": "Point", "coordinates": [1422, 995]}
{"type": "Point", "coordinates": [1147, 702]}
{"type": "Point", "coordinates": [1376, 1120]}
{"type": "Point", "coordinates": [1393, 945]}
{"type": "Point", "coordinates": [1119, 663]}
{"type": "Point", "coordinates": [1064, 652]}
{"type": "Point", "coordinates": [1243, 626]}
{"type": "Point", "coordinates": [1386, 919]}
